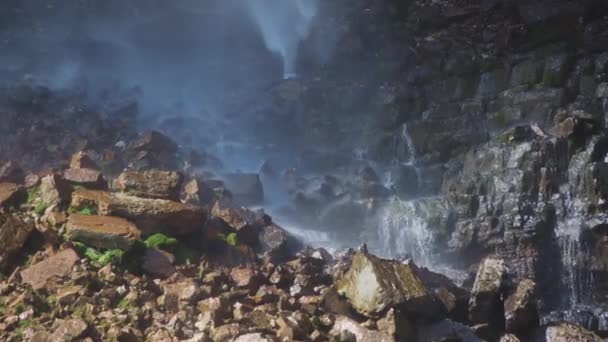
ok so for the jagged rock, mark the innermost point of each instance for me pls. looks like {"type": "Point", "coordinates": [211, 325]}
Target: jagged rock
{"type": "Point", "coordinates": [521, 313]}
{"type": "Point", "coordinates": [246, 222]}
{"type": "Point", "coordinates": [246, 188]}
{"type": "Point", "coordinates": [276, 242]}
{"type": "Point", "coordinates": [150, 184]}
{"type": "Point", "coordinates": [158, 263]}
{"type": "Point", "coordinates": [245, 277]}
{"type": "Point", "coordinates": [360, 333]}
{"type": "Point", "coordinates": [58, 265]}
{"type": "Point", "coordinates": [11, 172]}
{"type": "Point", "coordinates": [81, 160]}
{"type": "Point", "coordinates": [373, 285]}
{"type": "Point", "coordinates": [197, 192]}
{"type": "Point", "coordinates": [485, 305]}
{"type": "Point", "coordinates": [397, 326]}
{"type": "Point", "coordinates": [11, 194]}
{"type": "Point", "coordinates": [567, 332]}
{"type": "Point", "coordinates": [226, 332]}
{"type": "Point", "coordinates": [14, 232]}
{"type": "Point", "coordinates": [54, 190]}
{"type": "Point", "coordinates": [105, 232]}
{"type": "Point", "coordinates": [69, 330]}
{"type": "Point", "coordinates": [88, 178]}
{"type": "Point", "coordinates": [150, 215]}
{"type": "Point", "coordinates": [178, 295]}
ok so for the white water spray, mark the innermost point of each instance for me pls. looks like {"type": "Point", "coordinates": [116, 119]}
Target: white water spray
{"type": "Point", "coordinates": [283, 25]}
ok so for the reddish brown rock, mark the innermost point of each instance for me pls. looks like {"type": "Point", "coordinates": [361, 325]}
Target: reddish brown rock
{"type": "Point", "coordinates": [58, 265]}
{"type": "Point", "coordinates": [54, 190]}
{"type": "Point", "coordinates": [246, 277]}
{"type": "Point", "coordinates": [11, 194]}
{"type": "Point", "coordinates": [88, 178]}
{"type": "Point", "coordinates": [197, 192]}
{"type": "Point", "coordinates": [80, 160]}
{"type": "Point", "coordinates": [14, 232]}
{"type": "Point", "coordinates": [150, 215]}
{"type": "Point", "coordinates": [158, 263]}
{"type": "Point", "coordinates": [150, 184]}
{"type": "Point", "coordinates": [105, 232]}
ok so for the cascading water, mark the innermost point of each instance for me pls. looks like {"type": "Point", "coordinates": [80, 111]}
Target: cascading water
{"type": "Point", "coordinates": [403, 233]}
{"type": "Point", "coordinates": [577, 281]}
{"type": "Point", "coordinates": [283, 25]}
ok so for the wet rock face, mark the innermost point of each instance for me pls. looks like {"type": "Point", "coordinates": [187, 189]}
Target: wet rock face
{"type": "Point", "coordinates": [373, 285]}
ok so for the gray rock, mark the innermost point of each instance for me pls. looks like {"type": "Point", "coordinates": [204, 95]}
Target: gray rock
{"type": "Point", "coordinates": [373, 285]}
{"type": "Point", "coordinates": [485, 304]}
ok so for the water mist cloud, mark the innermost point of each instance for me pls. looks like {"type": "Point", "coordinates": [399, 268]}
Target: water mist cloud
{"type": "Point", "coordinates": [283, 25]}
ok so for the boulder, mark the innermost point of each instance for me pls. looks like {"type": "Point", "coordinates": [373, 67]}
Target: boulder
{"type": "Point", "coordinates": [158, 263]}
{"type": "Point", "coordinates": [567, 332]}
{"type": "Point", "coordinates": [11, 194]}
{"type": "Point", "coordinates": [14, 232]}
{"type": "Point", "coordinates": [54, 190]}
{"type": "Point", "coordinates": [69, 330]}
{"type": "Point", "coordinates": [521, 314]}
{"type": "Point", "coordinates": [246, 188]}
{"type": "Point", "coordinates": [373, 285]}
{"type": "Point", "coordinates": [11, 172]}
{"type": "Point", "coordinates": [397, 326]}
{"type": "Point", "coordinates": [88, 178]}
{"type": "Point", "coordinates": [276, 242]}
{"type": "Point", "coordinates": [150, 215]}
{"type": "Point", "coordinates": [105, 232]}
{"type": "Point", "coordinates": [150, 184]}
{"type": "Point", "coordinates": [360, 333]}
{"type": "Point", "coordinates": [81, 160]}
{"type": "Point", "coordinates": [198, 192]}
{"type": "Point", "coordinates": [485, 304]}
{"type": "Point", "coordinates": [58, 265]}
{"type": "Point", "coordinates": [246, 277]}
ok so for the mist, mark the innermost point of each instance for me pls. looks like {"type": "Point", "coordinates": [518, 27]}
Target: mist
{"type": "Point", "coordinates": [203, 66]}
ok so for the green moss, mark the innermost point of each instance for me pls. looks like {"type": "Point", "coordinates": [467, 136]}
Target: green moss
{"type": "Point", "coordinates": [79, 311]}
{"type": "Point", "coordinates": [159, 241]}
{"type": "Point", "coordinates": [111, 256]}
{"type": "Point", "coordinates": [125, 303]}
{"type": "Point", "coordinates": [32, 194]}
{"type": "Point", "coordinates": [231, 239]}
{"type": "Point", "coordinates": [86, 210]}
{"type": "Point", "coordinates": [41, 208]}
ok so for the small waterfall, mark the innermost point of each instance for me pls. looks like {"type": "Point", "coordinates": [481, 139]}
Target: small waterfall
{"type": "Point", "coordinates": [577, 280]}
{"type": "Point", "coordinates": [403, 233]}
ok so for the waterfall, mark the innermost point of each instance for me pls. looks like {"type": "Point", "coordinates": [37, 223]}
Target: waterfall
{"type": "Point", "coordinates": [577, 280]}
{"type": "Point", "coordinates": [283, 25]}
{"type": "Point", "coordinates": [402, 232]}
